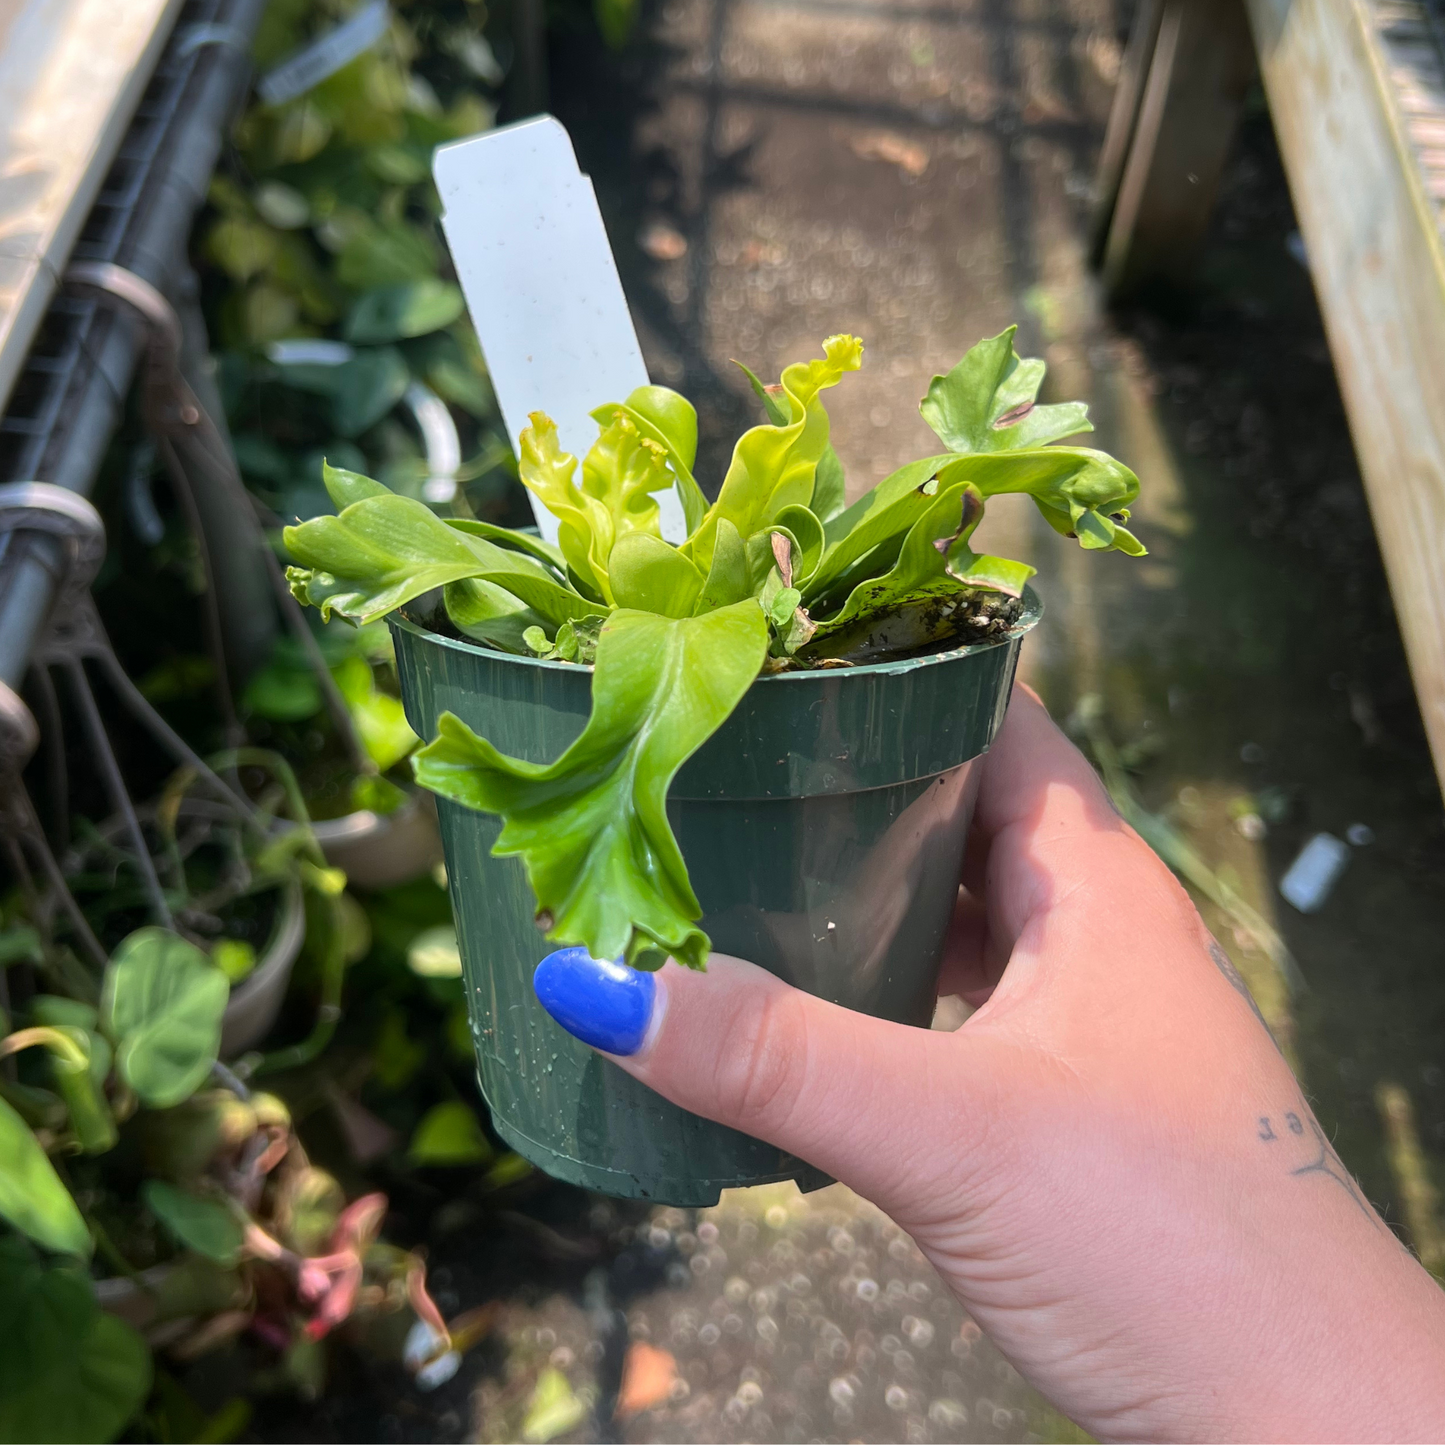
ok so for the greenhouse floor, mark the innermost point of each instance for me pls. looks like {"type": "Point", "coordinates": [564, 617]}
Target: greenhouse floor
{"type": "Point", "coordinates": [773, 171]}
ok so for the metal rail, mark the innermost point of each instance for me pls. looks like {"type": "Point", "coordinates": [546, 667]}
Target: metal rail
{"type": "Point", "coordinates": [69, 399]}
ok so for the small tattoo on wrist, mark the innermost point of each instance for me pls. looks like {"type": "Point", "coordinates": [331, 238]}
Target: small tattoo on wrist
{"type": "Point", "coordinates": [1299, 1124]}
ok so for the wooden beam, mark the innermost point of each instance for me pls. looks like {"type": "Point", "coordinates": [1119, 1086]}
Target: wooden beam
{"type": "Point", "coordinates": [1197, 77]}
{"type": "Point", "coordinates": [1123, 122]}
{"type": "Point", "coordinates": [1373, 235]}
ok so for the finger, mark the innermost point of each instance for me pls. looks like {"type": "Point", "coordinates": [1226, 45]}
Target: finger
{"type": "Point", "coordinates": [863, 1099]}
{"type": "Point", "coordinates": [972, 961]}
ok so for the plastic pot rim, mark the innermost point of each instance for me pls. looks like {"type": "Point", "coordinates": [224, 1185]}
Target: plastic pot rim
{"type": "Point", "coordinates": [1033, 611]}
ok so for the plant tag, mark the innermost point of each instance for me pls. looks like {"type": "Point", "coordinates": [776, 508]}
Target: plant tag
{"type": "Point", "coordinates": [307, 68]}
{"type": "Point", "coordinates": [537, 270]}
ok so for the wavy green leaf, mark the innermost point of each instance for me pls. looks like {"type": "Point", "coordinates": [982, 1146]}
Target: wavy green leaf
{"type": "Point", "coordinates": [32, 1198]}
{"type": "Point", "coordinates": [383, 551]}
{"type": "Point", "coordinates": [591, 828]}
{"type": "Point", "coordinates": [162, 1002]}
{"type": "Point", "coordinates": [68, 1370]}
{"type": "Point", "coordinates": [775, 466]}
{"type": "Point", "coordinates": [922, 567]}
{"type": "Point", "coordinates": [670, 420]}
{"type": "Point", "coordinates": [987, 402]}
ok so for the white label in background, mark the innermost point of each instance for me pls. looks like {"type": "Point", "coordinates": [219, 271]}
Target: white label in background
{"type": "Point", "coordinates": [1314, 872]}
{"type": "Point", "coordinates": [307, 68]}
{"type": "Point", "coordinates": [536, 267]}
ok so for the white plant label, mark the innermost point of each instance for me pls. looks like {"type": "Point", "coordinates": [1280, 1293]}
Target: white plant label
{"type": "Point", "coordinates": [541, 283]}
{"type": "Point", "coordinates": [307, 68]}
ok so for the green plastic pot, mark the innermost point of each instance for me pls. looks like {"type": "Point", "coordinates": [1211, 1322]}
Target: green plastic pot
{"type": "Point", "coordinates": [823, 827]}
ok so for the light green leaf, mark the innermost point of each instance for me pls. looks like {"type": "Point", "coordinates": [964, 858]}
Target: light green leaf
{"type": "Point", "coordinates": [622, 469]}
{"type": "Point", "coordinates": [591, 827]}
{"type": "Point", "coordinates": [280, 692]}
{"type": "Point", "coordinates": [162, 1002]}
{"type": "Point", "coordinates": [543, 551]}
{"type": "Point", "coordinates": [68, 1371]}
{"type": "Point", "coordinates": [775, 466]}
{"type": "Point", "coordinates": [650, 576]}
{"type": "Point", "coordinates": [379, 718]}
{"type": "Point", "coordinates": [449, 1134]}
{"type": "Point", "coordinates": [806, 532]}
{"type": "Point", "coordinates": [553, 1410]}
{"type": "Point", "coordinates": [488, 613]}
{"type": "Point", "coordinates": [727, 578]}
{"type": "Point", "coordinates": [56, 1012]}
{"type": "Point", "coordinates": [235, 958]}
{"type": "Point", "coordinates": [345, 487]}
{"type": "Point", "coordinates": [663, 416]}
{"type": "Point", "coordinates": [986, 403]}
{"type": "Point", "coordinates": [998, 574]}
{"type": "Point", "coordinates": [1081, 492]}
{"type": "Point", "coordinates": [366, 388]}
{"type": "Point", "coordinates": [32, 1198]}
{"type": "Point", "coordinates": [204, 1225]}
{"type": "Point", "coordinates": [830, 494]}
{"type": "Point", "coordinates": [585, 526]}
{"type": "Point", "coordinates": [1064, 482]}
{"type": "Point", "coordinates": [409, 308]}
{"type": "Point", "coordinates": [383, 551]}
{"type": "Point", "coordinates": [921, 569]}
{"type": "Point", "coordinates": [433, 953]}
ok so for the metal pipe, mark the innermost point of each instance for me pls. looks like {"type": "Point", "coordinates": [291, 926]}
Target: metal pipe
{"type": "Point", "coordinates": [154, 247]}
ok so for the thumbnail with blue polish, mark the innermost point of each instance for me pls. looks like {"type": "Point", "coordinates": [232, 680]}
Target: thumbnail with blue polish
{"type": "Point", "coordinates": [607, 1005]}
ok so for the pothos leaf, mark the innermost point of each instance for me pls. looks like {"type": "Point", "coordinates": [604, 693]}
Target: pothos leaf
{"type": "Point", "coordinates": [775, 466]}
{"type": "Point", "coordinates": [204, 1225]}
{"type": "Point", "coordinates": [591, 827]}
{"type": "Point", "coordinates": [68, 1370]}
{"type": "Point", "coordinates": [986, 403]}
{"type": "Point", "coordinates": [162, 1001]}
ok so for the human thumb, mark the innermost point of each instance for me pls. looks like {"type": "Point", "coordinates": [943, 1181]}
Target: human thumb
{"type": "Point", "coordinates": [862, 1099]}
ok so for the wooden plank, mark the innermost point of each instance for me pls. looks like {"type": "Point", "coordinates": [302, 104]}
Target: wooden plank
{"type": "Point", "coordinates": [71, 75]}
{"type": "Point", "coordinates": [1197, 79]}
{"type": "Point", "coordinates": [1123, 122]}
{"type": "Point", "coordinates": [1373, 236]}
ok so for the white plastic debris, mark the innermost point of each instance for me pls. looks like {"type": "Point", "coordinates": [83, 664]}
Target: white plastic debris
{"type": "Point", "coordinates": [1359, 835]}
{"type": "Point", "coordinates": [1314, 873]}
{"type": "Point", "coordinates": [307, 68]}
{"type": "Point", "coordinates": [426, 1356]}
{"type": "Point", "coordinates": [309, 351]}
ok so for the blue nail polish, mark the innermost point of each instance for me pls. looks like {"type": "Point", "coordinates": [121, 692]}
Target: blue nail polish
{"type": "Point", "coordinates": [607, 1005]}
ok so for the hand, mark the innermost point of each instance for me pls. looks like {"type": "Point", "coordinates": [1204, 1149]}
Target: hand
{"type": "Point", "coordinates": [1110, 1163]}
